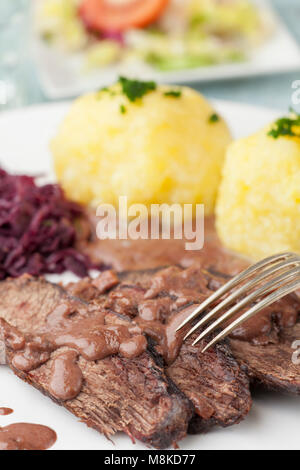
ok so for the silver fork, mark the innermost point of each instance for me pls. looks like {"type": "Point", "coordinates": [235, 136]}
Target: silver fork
{"type": "Point", "coordinates": [276, 276]}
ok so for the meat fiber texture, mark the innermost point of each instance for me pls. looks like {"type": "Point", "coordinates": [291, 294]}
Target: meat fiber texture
{"type": "Point", "coordinates": [269, 365]}
{"type": "Point", "coordinates": [118, 394]}
{"type": "Point", "coordinates": [213, 381]}
{"type": "Point", "coordinates": [272, 365]}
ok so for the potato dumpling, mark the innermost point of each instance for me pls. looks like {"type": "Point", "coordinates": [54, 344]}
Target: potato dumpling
{"type": "Point", "coordinates": [258, 208]}
{"type": "Point", "coordinates": [167, 146]}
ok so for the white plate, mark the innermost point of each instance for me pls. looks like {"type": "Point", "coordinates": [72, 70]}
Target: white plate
{"type": "Point", "coordinates": [274, 420]}
{"type": "Point", "coordinates": [61, 76]}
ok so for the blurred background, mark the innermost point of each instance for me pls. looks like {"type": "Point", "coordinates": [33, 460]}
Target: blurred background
{"type": "Point", "coordinates": [52, 50]}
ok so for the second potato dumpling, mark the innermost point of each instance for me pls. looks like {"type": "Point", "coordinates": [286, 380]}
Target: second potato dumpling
{"type": "Point", "coordinates": [163, 145]}
{"type": "Point", "coordinates": [258, 209]}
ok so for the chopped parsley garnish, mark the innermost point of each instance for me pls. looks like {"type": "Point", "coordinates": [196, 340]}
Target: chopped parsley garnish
{"type": "Point", "coordinates": [286, 126]}
{"type": "Point", "coordinates": [214, 118]}
{"type": "Point", "coordinates": [173, 93]}
{"type": "Point", "coordinates": [135, 89]}
{"type": "Point", "coordinates": [123, 109]}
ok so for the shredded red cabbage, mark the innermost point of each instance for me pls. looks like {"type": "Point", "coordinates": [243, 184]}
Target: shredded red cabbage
{"type": "Point", "coordinates": [37, 233]}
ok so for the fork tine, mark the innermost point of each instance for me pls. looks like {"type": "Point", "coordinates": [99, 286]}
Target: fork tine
{"type": "Point", "coordinates": [283, 291]}
{"type": "Point", "coordinates": [232, 283]}
{"type": "Point", "coordinates": [265, 289]}
{"type": "Point", "coordinates": [228, 300]}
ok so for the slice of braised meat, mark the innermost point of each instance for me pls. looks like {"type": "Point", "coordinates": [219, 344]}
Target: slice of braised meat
{"type": "Point", "coordinates": [148, 254]}
{"type": "Point", "coordinates": [117, 394]}
{"type": "Point", "coordinates": [272, 365]}
{"type": "Point", "coordinates": [157, 300]}
{"type": "Point", "coordinates": [263, 345]}
{"type": "Point", "coordinates": [214, 382]}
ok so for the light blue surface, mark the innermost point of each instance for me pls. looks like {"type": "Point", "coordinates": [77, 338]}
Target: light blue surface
{"type": "Point", "coordinates": [14, 16]}
{"type": "Point", "coordinates": [272, 91]}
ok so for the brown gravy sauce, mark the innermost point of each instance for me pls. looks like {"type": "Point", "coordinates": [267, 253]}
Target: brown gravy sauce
{"type": "Point", "coordinates": [173, 338]}
{"type": "Point", "coordinates": [5, 411]}
{"type": "Point", "coordinates": [26, 436]}
{"type": "Point", "coordinates": [126, 255]}
{"type": "Point", "coordinates": [94, 338]}
{"type": "Point", "coordinates": [11, 336]}
{"type": "Point", "coordinates": [66, 376]}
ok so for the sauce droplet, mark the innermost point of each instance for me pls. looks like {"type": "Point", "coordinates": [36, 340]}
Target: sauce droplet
{"type": "Point", "coordinates": [26, 436]}
{"type": "Point", "coordinates": [6, 411]}
{"type": "Point", "coordinates": [66, 376]}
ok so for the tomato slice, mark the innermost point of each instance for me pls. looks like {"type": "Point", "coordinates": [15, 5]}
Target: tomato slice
{"type": "Point", "coordinates": [110, 15]}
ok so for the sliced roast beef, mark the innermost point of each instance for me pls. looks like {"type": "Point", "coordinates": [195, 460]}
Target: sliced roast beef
{"type": "Point", "coordinates": [275, 366]}
{"type": "Point", "coordinates": [263, 346]}
{"type": "Point", "coordinates": [157, 300]}
{"type": "Point", "coordinates": [117, 394]}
